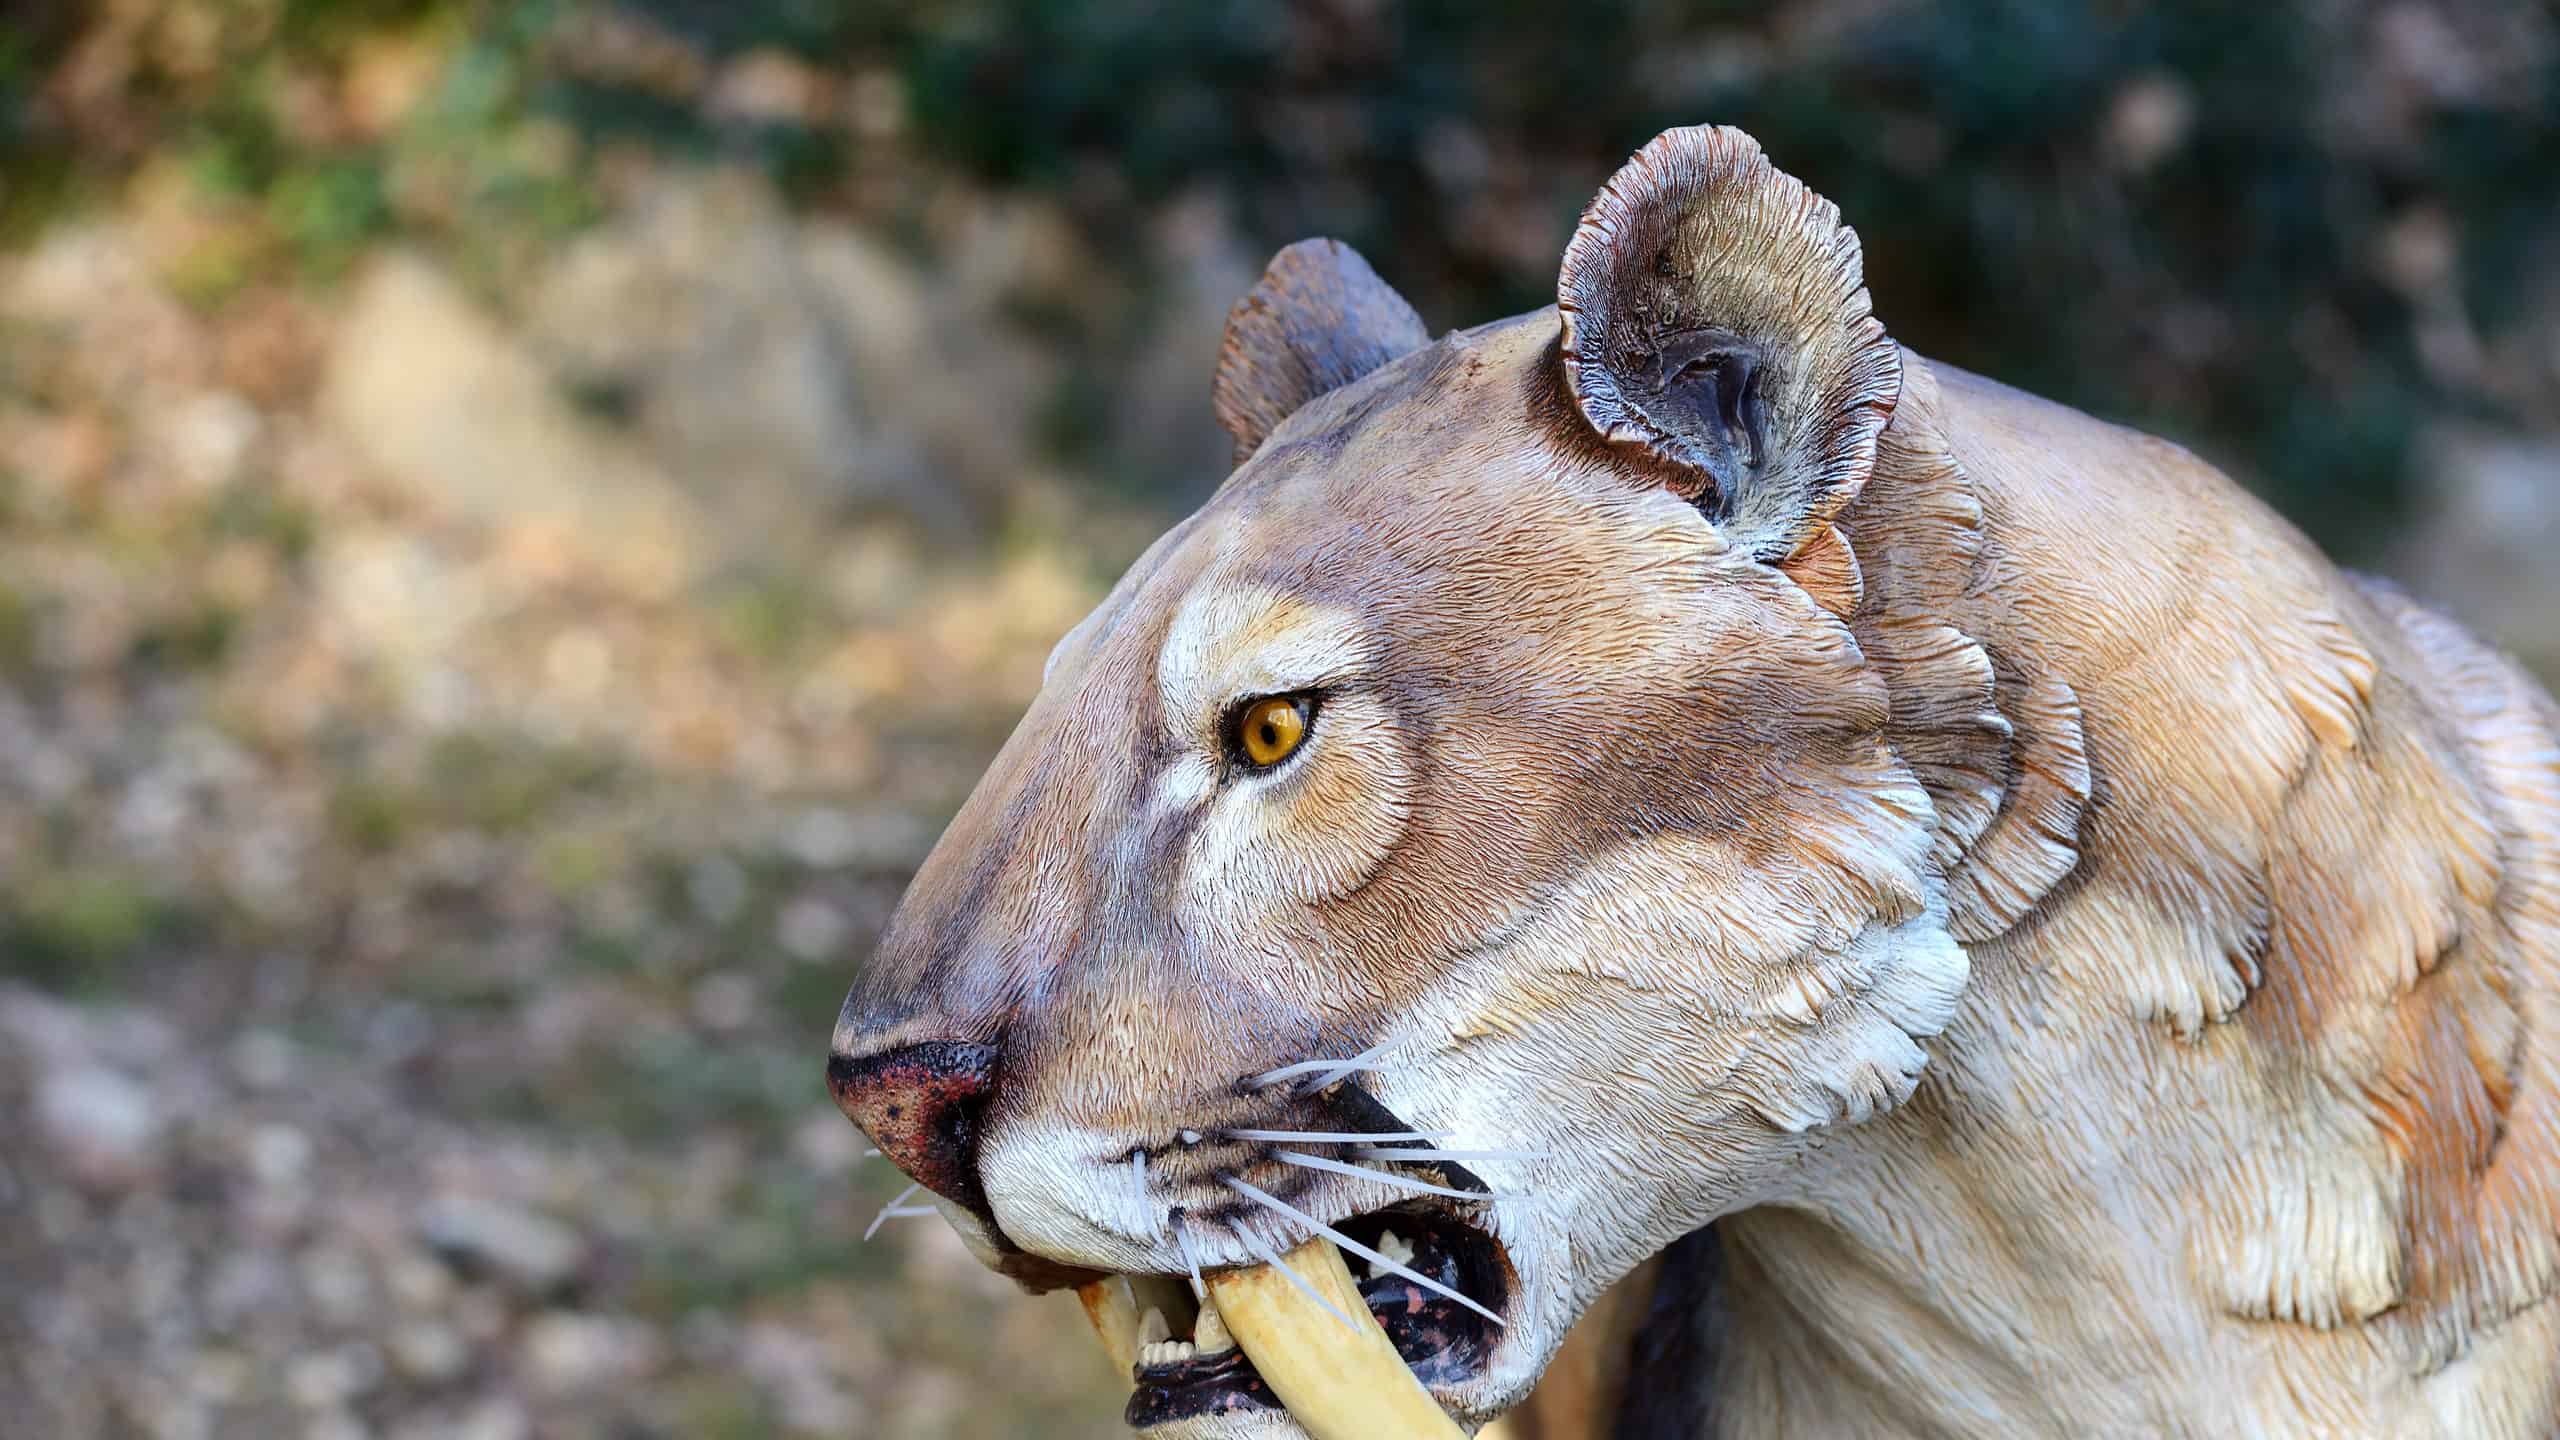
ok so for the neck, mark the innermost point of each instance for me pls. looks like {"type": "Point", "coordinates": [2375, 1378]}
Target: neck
{"type": "Point", "coordinates": [1976, 1263]}
{"type": "Point", "coordinates": [2244, 1123]}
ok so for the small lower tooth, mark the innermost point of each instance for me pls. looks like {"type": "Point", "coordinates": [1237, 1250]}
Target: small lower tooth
{"type": "Point", "coordinates": [1211, 1332]}
{"type": "Point", "coordinates": [1395, 1247]}
{"type": "Point", "coordinates": [1176, 1351]}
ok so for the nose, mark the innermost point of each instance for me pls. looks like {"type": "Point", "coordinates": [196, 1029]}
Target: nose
{"type": "Point", "coordinates": [921, 1104]}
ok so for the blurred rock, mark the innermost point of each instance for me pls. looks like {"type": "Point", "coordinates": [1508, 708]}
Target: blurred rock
{"type": "Point", "coordinates": [724, 1001]}
{"type": "Point", "coordinates": [802, 1378]}
{"type": "Point", "coordinates": [811, 929]}
{"type": "Point", "coordinates": [337, 1284]}
{"type": "Point", "coordinates": [785, 368]}
{"type": "Point", "coordinates": [827, 1143]}
{"type": "Point", "coordinates": [429, 1351]}
{"type": "Point", "coordinates": [334, 1424]}
{"type": "Point", "coordinates": [445, 406]}
{"type": "Point", "coordinates": [103, 1125]}
{"type": "Point", "coordinates": [2482, 541]}
{"type": "Point", "coordinates": [532, 1253]}
{"type": "Point", "coordinates": [323, 1380]}
{"type": "Point", "coordinates": [263, 1059]}
{"type": "Point", "coordinates": [386, 76]}
{"type": "Point", "coordinates": [492, 1420]}
{"type": "Point", "coordinates": [92, 284]}
{"type": "Point", "coordinates": [1160, 421]}
{"type": "Point", "coordinates": [2147, 122]}
{"type": "Point", "coordinates": [769, 87]}
{"type": "Point", "coordinates": [278, 1155]}
{"type": "Point", "coordinates": [417, 1280]}
{"type": "Point", "coordinates": [694, 316]}
{"type": "Point", "coordinates": [566, 1350]}
{"type": "Point", "coordinates": [825, 839]}
{"type": "Point", "coordinates": [394, 598]}
{"type": "Point", "coordinates": [203, 440]}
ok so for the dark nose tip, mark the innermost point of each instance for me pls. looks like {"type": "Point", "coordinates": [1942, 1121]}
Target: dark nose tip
{"type": "Point", "coordinates": [921, 1104]}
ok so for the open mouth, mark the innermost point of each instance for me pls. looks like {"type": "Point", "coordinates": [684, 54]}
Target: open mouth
{"type": "Point", "coordinates": [1256, 1342]}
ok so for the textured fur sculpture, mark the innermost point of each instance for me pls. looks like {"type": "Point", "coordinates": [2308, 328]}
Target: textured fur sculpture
{"type": "Point", "coordinates": [1679, 757]}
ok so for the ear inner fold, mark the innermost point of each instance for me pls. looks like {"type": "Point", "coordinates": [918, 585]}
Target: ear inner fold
{"type": "Point", "coordinates": [1827, 569]}
{"type": "Point", "coordinates": [1716, 322]}
{"type": "Point", "coordinates": [1318, 319]}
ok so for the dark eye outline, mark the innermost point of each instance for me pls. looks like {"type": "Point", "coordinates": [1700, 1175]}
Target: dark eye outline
{"type": "Point", "coordinates": [1307, 703]}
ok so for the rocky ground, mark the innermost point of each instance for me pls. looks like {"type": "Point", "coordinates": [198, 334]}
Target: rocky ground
{"type": "Point", "coordinates": [441, 811]}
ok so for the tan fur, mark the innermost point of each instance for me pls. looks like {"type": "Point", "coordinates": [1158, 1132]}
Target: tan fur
{"type": "Point", "coordinates": [1664, 797]}
{"type": "Point", "coordinates": [2284, 1011]}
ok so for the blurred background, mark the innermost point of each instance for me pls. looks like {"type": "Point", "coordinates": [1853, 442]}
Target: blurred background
{"type": "Point", "coordinates": [518, 523]}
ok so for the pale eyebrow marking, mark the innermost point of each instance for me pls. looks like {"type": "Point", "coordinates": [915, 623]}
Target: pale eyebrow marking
{"type": "Point", "coordinates": [1235, 640]}
{"type": "Point", "coordinates": [1182, 783]}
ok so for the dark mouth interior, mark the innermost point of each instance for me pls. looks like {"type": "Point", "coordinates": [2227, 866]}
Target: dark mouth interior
{"type": "Point", "coordinates": [1442, 1341]}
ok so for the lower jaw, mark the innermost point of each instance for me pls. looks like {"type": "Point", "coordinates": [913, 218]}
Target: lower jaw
{"type": "Point", "coordinates": [1227, 1386]}
{"type": "Point", "coordinates": [1372, 1378]}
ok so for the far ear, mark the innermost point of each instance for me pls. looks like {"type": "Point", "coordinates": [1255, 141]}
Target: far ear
{"type": "Point", "coordinates": [1319, 319]}
{"type": "Point", "coordinates": [1716, 319]}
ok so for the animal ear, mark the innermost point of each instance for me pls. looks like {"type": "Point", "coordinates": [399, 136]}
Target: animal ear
{"type": "Point", "coordinates": [1319, 319]}
{"type": "Point", "coordinates": [1716, 322]}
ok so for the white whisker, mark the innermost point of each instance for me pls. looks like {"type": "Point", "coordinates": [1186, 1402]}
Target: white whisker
{"type": "Point", "coordinates": [1387, 1152]}
{"type": "Point", "coordinates": [1147, 1218]}
{"type": "Point", "coordinates": [1268, 1256]}
{"type": "Point", "coordinates": [1331, 1070]}
{"type": "Point", "coordinates": [1304, 1067]}
{"type": "Point", "coordinates": [1399, 1182]}
{"type": "Point", "coordinates": [1191, 1257]}
{"type": "Point", "coordinates": [868, 1151]}
{"type": "Point", "coordinates": [1263, 1197]}
{"type": "Point", "coordinates": [1339, 1137]}
{"type": "Point", "coordinates": [1365, 1060]}
{"type": "Point", "coordinates": [878, 1220]}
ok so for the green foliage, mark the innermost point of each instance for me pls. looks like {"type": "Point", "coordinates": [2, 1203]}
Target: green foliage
{"type": "Point", "coordinates": [371, 815]}
{"type": "Point", "coordinates": [1023, 92]}
{"type": "Point", "coordinates": [2223, 290]}
{"type": "Point", "coordinates": [328, 210]}
{"type": "Point", "coordinates": [78, 929]}
{"type": "Point", "coordinates": [502, 785]}
{"type": "Point", "coordinates": [17, 630]}
{"type": "Point", "coordinates": [262, 514]}
{"type": "Point", "coordinates": [773, 617]}
{"type": "Point", "coordinates": [197, 639]}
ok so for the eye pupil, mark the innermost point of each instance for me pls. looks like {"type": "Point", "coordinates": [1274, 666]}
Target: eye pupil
{"type": "Point", "coordinates": [1272, 730]}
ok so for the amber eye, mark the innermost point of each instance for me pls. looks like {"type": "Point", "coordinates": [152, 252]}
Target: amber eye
{"type": "Point", "coordinates": [1271, 730]}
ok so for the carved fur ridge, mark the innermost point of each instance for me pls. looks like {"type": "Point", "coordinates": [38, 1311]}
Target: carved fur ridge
{"type": "Point", "coordinates": [2095, 965]}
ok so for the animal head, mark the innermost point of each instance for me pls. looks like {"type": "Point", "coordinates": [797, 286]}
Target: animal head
{"type": "Point", "coordinates": [1477, 823]}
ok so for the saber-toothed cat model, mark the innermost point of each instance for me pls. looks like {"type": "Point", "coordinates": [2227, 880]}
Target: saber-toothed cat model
{"type": "Point", "coordinates": [1679, 757]}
